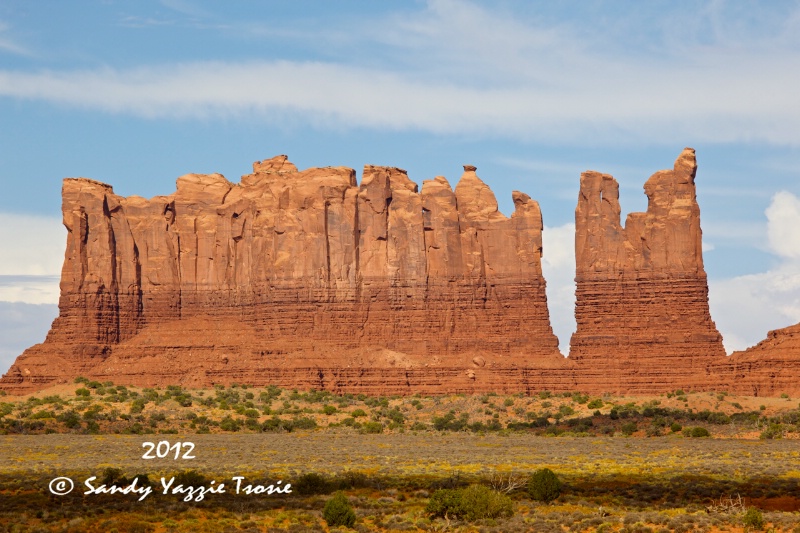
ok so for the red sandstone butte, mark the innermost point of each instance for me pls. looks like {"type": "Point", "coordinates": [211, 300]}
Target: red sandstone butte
{"type": "Point", "coordinates": [643, 323]}
{"type": "Point", "coordinates": [769, 368]}
{"type": "Point", "coordinates": [302, 279]}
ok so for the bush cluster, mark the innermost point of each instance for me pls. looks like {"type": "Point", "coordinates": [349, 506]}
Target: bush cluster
{"type": "Point", "coordinates": [544, 485]}
{"type": "Point", "coordinates": [472, 503]}
{"type": "Point", "coordinates": [339, 512]}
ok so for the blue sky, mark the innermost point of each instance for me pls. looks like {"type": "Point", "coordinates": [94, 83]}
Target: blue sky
{"type": "Point", "coordinates": [137, 93]}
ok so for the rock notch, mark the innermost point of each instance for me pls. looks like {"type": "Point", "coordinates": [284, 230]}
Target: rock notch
{"type": "Point", "coordinates": [643, 322]}
{"type": "Point", "coordinates": [299, 278]}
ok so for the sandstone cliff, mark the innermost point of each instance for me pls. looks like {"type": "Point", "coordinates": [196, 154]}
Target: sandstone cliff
{"type": "Point", "coordinates": [301, 278]}
{"type": "Point", "coordinates": [769, 368]}
{"type": "Point", "coordinates": [643, 322]}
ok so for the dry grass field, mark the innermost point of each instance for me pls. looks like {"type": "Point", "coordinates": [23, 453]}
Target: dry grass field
{"type": "Point", "coordinates": [625, 464]}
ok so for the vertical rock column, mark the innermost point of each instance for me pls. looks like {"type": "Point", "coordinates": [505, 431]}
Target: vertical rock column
{"type": "Point", "coordinates": [643, 322]}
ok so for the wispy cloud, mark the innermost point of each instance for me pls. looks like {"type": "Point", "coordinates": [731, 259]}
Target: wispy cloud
{"type": "Point", "coordinates": [10, 45]}
{"type": "Point", "coordinates": [457, 67]}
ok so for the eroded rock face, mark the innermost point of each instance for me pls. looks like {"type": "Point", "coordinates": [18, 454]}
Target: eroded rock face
{"type": "Point", "coordinates": [643, 323]}
{"type": "Point", "coordinates": [770, 368]}
{"type": "Point", "coordinates": [301, 278]}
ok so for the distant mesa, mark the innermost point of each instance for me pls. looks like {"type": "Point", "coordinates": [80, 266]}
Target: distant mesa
{"type": "Point", "coordinates": [309, 279]}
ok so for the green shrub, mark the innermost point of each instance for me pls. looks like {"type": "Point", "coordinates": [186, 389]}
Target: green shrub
{"type": "Point", "coordinates": [628, 428]}
{"type": "Point", "coordinates": [137, 406]}
{"type": "Point", "coordinates": [597, 403]}
{"type": "Point", "coordinates": [774, 431]}
{"type": "Point", "coordinates": [444, 502]}
{"type": "Point", "coordinates": [372, 427]}
{"type": "Point", "coordinates": [675, 427]}
{"type": "Point", "coordinates": [82, 392]}
{"type": "Point", "coordinates": [304, 423]}
{"type": "Point", "coordinates": [229, 424]}
{"type": "Point", "coordinates": [753, 519]}
{"type": "Point", "coordinates": [358, 412]}
{"type": "Point", "coordinates": [251, 413]}
{"type": "Point", "coordinates": [329, 410]}
{"type": "Point", "coordinates": [544, 485]}
{"type": "Point", "coordinates": [339, 512]}
{"type": "Point", "coordinates": [696, 432]}
{"type": "Point", "coordinates": [479, 502]}
{"type": "Point", "coordinates": [475, 502]}
{"type": "Point", "coordinates": [312, 483]}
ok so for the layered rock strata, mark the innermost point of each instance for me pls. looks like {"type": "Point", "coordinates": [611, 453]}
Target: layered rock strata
{"type": "Point", "coordinates": [770, 368]}
{"type": "Point", "coordinates": [643, 322]}
{"type": "Point", "coordinates": [299, 278]}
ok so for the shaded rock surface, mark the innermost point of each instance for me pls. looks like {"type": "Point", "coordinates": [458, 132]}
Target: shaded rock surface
{"type": "Point", "coordinates": [301, 278]}
{"type": "Point", "coordinates": [643, 322]}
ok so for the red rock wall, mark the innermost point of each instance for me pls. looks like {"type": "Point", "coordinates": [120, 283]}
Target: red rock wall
{"type": "Point", "coordinates": [306, 271]}
{"type": "Point", "coordinates": [643, 323]}
{"type": "Point", "coordinates": [770, 368]}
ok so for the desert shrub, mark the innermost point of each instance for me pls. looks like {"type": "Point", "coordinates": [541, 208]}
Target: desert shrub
{"type": "Point", "coordinates": [696, 432]}
{"type": "Point", "coordinates": [229, 424]}
{"type": "Point", "coordinates": [251, 413]}
{"type": "Point", "coordinates": [312, 483]}
{"type": "Point", "coordinates": [753, 519]}
{"type": "Point", "coordinates": [82, 392]}
{"type": "Point", "coordinates": [304, 423]}
{"type": "Point", "coordinates": [774, 431]}
{"type": "Point", "coordinates": [444, 502]}
{"type": "Point", "coordinates": [395, 415]}
{"type": "Point", "coordinates": [276, 424]}
{"type": "Point", "coordinates": [137, 406]}
{"type": "Point", "coordinates": [351, 480]}
{"type": "Point", "coordinates": [339, 512]}
{"type": "Point", "coordinates": [544, 485]}
{"type": "Point", "coordinates": [508, 402]}
{"type": "Point", "coordinates": [597, 403]}
{"type": "Point", "coordinates": [358, 412]}
{"type": "Point", "coordinates": [479, 501]}
{"type": "Point", "coordinates": [628, 428]}
{"type": "Point", "coordinates": [329, 410]}
{"type": "Point", "coordinates": [580, 398]}
{"type": "Point", "coordinates": [111, 476]}
{"type": "Point", "coordinates": [190, 478]}
{"type": "Point", "coordinates": [472, 503]}
{"type": "Point", "coordinates": [70, 419]}
{"type": "Point", "coordinates": [675, 427]}
{"type": "Point", "coordinates": [372, 427]}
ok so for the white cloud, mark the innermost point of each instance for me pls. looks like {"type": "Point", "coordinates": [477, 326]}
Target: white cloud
{"type": "Point", "coordinates": [745, 308]}
{"type": "Point", "coordinates": [457, 67]}
{"type": "Point", "coordinates": [558, 266]}
{"type": "Point", "coordinates": [31, 245]}
{"type": "Point", "coordinates": [783, 228]}
{"type": "Point", "coordinates": [31, 254]}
